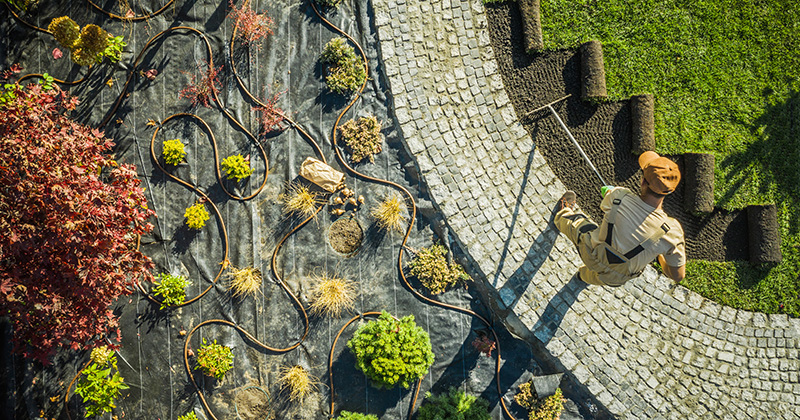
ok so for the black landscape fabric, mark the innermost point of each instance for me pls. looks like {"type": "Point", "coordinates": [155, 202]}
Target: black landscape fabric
{"type": "Point", "coordinates": [151, 353]}
{"type": "Point", "coordinates": [602, 129]}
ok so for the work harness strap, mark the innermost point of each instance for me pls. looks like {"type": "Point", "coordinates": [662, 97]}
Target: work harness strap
{"type": "Point", "coordinates": [612, 257]}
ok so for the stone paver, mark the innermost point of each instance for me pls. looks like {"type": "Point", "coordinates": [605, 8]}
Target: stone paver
{"type": "Point", "coordinates": [646, 350]}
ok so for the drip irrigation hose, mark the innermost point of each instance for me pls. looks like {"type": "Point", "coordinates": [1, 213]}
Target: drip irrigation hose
{"type": "Point", "coordinates": [22, 21]}
{"type": "Point", "coordinates": [72, 382]}
{"type": "Point", "coordinates": [344, 164]}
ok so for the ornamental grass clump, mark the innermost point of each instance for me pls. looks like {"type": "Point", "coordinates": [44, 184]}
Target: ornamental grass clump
{"type": "Point", "coordinates": [548, 408]}
{"type": "Point", "coordinates": [174, 152]}
{"type": "Point", "coordinates": [346, 71]}
{"type": "Point", "coordinates": [237, 167]}
{"type": "Point", "coordinates": [388, 213]}
{"type": "Point", "coordinates": [196, 216]}
{"type": "Point", "coordinates": [214, 359]}
{"type": "Point", "coordinates": [300, 200]}
{"type": "Point", "coordinates": [347, 415]}
{"type": "Point", "coordinates": [362, 137]}
{"type": "Point", "coordinates": [431, 268]}
{"type": "Point", "coordinates": [391, 351]}
{"type": "Point", "coordinates": [455, 405]}
{"type": "Point", "coordinates": [244, 282]}
{"type": "Point", "coordinates": [297, 382]}
{"type": "Point", "coordinates": [97, 386]}
{"type": "Point", "coordinates": [171, 289]}
{"type": "Point", "coordinates": [332, 295]}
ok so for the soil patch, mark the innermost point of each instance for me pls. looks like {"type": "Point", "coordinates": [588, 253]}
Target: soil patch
{"type": "Point", "coordinates": [603, 130]}
{"type": "Point", "coordinates": [252, 404]}
{"type": "Point", "coordinates": [346, 235]}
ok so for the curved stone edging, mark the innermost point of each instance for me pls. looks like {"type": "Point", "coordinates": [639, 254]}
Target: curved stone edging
{"type": "Point", "coordinates": [646, 350]}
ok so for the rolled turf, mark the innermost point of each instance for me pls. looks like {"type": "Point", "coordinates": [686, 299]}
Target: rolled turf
{"type": "Point", "coordinates": [642, 124]}
{"type": "Point", "coordinates": [593, 73]}
{"type": "Point", "coordinates": [764, 235]}
{"type": "Point", "coordinates": [531, 25]}
{"type": "Point", "coordinates": [698, 196]}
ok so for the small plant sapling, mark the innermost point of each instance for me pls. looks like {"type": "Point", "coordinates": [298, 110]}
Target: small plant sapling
{"type": "Point", "coordinates": [98, 386]}
{"type": "Point", "coordinates": [332, 295]}
{"type": "Point", "coordinates": [297, 382]}
{"type": "Point", "coordinates": [88, 45]}
{"type": "Point", "coordinates": [347, 415]}
{"type": "Point", "coordinates": [174, 152]}
{"type": "Point", "coordinates": [251, 27]}
{"type": "Point", "coordinates": [237, 167]}
{"type": "Point", "coordinates": [455, 404]}
{"type": "Point", "coordinates": [188, 416]}
{"type": "Point", "coordinates": [196, 216]}
{"type": "Point", "coordinates": [300, 200]}
{"type": "Point", "coordinates": [391, 351]}
{"type": "Point", "coordinates": [172, 290]}
{"type": "Point", "coordinates": [346, 71]}
{"type": "Point", "coordinates": [271, 116]}
{"type": "Point", "coordinates": [432, 269]}
{"type": "Point", "coordinates": [484, 345]}
{"type": "Point", "coordinates": [203, 87]}
{"type": "Point", "coordinates": [65, 30]}
{"type": "Point", "coordinates": [388, 213]}
{"type": "Point", "coordinates": [548, 408]}
{"type": "Point", "coordinates": [362, 137]}
{"type": "Point", "coordinates": [244, 282]}
{"type": "Point", "coordinates": [214, 359]}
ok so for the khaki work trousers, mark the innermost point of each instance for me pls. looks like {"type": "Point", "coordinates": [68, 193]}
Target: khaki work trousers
{"type": "Point", "coordinates": [595, 269]}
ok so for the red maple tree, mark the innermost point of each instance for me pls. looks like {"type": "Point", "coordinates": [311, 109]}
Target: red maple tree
{"type": "Point", "coordinates": [69, 216]}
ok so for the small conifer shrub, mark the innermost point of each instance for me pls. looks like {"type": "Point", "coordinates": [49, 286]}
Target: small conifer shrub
{"type": "Point", "coordinates": [347, 415]}
{"type": "Point", "coordinates": [188, 416]}
{"type": "Point", "coordinates": [362, 137]}
{"type": "Point", "coordinates": [173, 152]}
{"type": "Point", "coordinates": [65, 30]}
{"type": "Point", "coordinates": [172, 289]}
{"type": "Point", "coordinates": [214, 359]}
{"type": "Point", "coordinates": [196, 216]}
{"type": "Point", "coordinates": [431, 268]}
{"type": "Point", "coordinates": [237, 167]}
{"type": "Point", "coordinates": [346, 71]}
{"type": "Point", "coordinates": [548, 408]}
{"type": "Point", "coordinates": [391, 351]}
{"type": "Point", "coordinates": [455, 404]}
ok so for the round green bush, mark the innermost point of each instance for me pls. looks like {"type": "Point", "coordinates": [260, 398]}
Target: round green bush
{"type": "Point", "coordinates": [173, 152]}
{"type": "Point", "coordinates": [455, 405]}
{"type": "Point", "coordinates": [236, 166]}
{"type": "Point", "coordinates": [391, 351]}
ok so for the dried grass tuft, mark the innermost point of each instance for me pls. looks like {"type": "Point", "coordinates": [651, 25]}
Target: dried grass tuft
{"type": "Point", "coordinates": [298, 382]}
{"type": "Point", "coordinates": [243, 282]}
{"type": "Point", "coordinates": [332, 295]}
{"type": "Point", "coordinates": [389, 213]}
{"type": "Point", "coordinates": [299, 200]}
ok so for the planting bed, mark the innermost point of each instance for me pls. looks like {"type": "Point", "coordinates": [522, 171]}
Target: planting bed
{"type": "Point", "coordinates": [270, 329]}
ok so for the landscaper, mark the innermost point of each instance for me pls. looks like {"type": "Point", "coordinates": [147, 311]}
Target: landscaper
{"type": "Point", "coordinates": [635, 229]}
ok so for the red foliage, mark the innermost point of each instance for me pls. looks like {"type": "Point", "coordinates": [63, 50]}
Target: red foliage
{"type": "Point", "coordinates": [251, 26]}
{"type": "Point", "coordinates": [70, 216]}
{"type": "Point", "coordinates": [484, 344]}
{"type": "Point", "coordinates": [272, 117]}
{"type": "Point", "coordinates": [204, 90]}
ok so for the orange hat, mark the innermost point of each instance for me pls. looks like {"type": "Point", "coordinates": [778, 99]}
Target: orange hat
{"type": "Point", "coordinates": [662, 175]}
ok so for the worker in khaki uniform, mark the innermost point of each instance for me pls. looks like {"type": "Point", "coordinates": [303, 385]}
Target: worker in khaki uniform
{"type": "Point", "coordinates": [635, 229]}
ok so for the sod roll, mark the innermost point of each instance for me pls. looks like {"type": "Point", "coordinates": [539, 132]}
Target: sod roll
{"type": "Point", "coordinates": [593, 73]}
{"type": "Point", "coordinates": [765, 238]}
{"type": "Point", "coordinates": [531, 25]}
{"type": "Point", "coordinates": [642, 124]}
{"type": "Point", "coordinates": [698, 196]}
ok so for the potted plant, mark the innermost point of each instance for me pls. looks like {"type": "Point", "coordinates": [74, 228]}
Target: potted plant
{"type": "Point", "coordinates": [392, 351]}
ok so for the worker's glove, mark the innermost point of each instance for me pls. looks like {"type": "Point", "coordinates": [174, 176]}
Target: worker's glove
{"type": "Point", "coordinates": [604, 189]}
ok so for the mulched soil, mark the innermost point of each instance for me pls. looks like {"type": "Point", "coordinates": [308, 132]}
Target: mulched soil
{"type": "Point", "coordinates": [603, 131]}
{"type": "Point", "coordinates": [346, 235]}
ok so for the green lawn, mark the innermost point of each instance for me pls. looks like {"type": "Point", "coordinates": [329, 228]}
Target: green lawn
{"type": "Point", "coordinates": [726, 78]}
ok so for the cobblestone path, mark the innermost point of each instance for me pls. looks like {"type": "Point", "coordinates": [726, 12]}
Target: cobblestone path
{"type": "Point", "coordinates": [646, 350]}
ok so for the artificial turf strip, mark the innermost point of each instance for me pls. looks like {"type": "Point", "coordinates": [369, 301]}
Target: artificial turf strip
{"type": "Point", "coordinates": [726, 79]}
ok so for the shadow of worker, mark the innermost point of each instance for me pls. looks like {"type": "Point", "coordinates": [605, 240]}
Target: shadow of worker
{"type": "Point", "coordinates": [557, 307]}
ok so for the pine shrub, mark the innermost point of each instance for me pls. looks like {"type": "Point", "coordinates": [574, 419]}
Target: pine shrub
{"type": "Point", "coordinates": [454, 405]}
{"type": "Point", "coordinates": [431, 268]}
{"type": "Point", "coordinates": [391, 351]}
{"type": "Point", "coordinates": [347, 415]}
{"type": "Point", "coordinates": [346, 71]}
{"type": "Point", "coordinates": [362, 137]}
{"type": "Point", "coordinates": [173, 152]}
{"type": "Point", "coordinates": [237, 167]}
{"type": "Point", "coordinates": [196, 216]}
